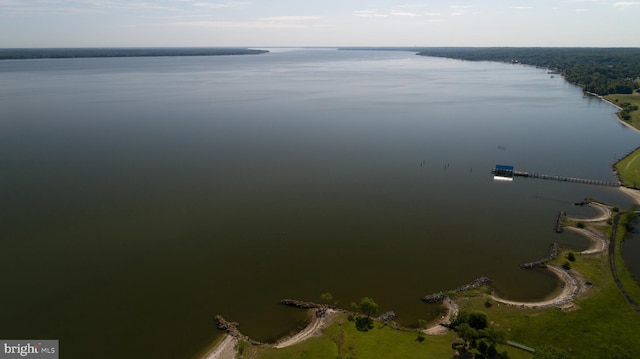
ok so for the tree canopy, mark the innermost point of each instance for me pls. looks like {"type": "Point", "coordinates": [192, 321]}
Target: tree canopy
{"type": "Point", "coordinates": [599, 70]}
{"type": "Point", "coordinates": [368, 306]}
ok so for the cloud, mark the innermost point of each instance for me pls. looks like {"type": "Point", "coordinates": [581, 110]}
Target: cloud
{"type": "Point", "coordinates": [238, 24]}
{"type": "Point", "coordinates": [290, 18]}
{"type": "Point", "coordinates": [404, 13]}
{"type": "Point", "coordinates": [623, 4]}
{"type": "Point", "coordinates": [273, 22]}
{"type": "Point", "coordinates": [458, 10]}
{"type": "Point", "coordinates": [582, 10]}
{"type": "Point", "coordinates": [215, 5]}
{"type": "Point", "coordinates": [521, 7]}
{"type": "Point", "coordinates": [369, 13]}
{"type": "Point", "coordinates": [33, 7]}
{"type": "Point", "coordinates": [385, 13]}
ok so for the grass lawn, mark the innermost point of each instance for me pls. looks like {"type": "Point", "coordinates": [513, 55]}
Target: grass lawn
{"type": "Point", "coordinates": [634, 100]}
{"type": "Point", "coordinates": [341, 339]}
{"type": "Point", "coordinates": [629, 169]}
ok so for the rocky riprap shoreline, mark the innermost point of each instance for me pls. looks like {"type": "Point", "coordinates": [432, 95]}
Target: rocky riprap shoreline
{"type": "Point", "coordinates": [389, 316]}
{"type": "Point", "coordinates": [559, 225]}
{"type": "Point", "coordinates": [321, 309]}
{"type": "Point", "coordinates": [302, 305]}
{"type": "Point", "coordinates": [231, 328]}
{"type": "Point", "coordinates": [437, 297]}
{"type": "Point", "coordinates": [553, 254]}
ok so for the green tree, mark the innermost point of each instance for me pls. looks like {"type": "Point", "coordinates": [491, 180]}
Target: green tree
{"type": "Point", "coordinates": [467, 333]}
{"type": "Point", "coordinates": [326, 298]}
{"type": "Point", "coordinates": [477, 320]}
{"type": "Point", "coordinates": [368, 306]}
{"type": "Point", "coordinates": [495, 335]}
{"type": "Point", "coordinates": [628, 218]}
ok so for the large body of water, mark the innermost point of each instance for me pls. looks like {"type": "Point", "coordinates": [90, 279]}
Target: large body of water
{"type": "Point", "coordinates": [142, 196]}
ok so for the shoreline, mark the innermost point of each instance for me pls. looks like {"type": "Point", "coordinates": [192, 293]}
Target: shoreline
{"type": "Point", "coordinates": [606, 213]}
{"type": "Point", "coordinates": [225, 349]}
{"type": "Point", "coordinates": [625, 123]}
{"type": "Point", "coordinates": [571, 289]}
{"type": "Point", "coordinates": [312, 329]}
{"type": "Point", "coordinates": [633, 193]}
{"type": "Point", "coordinates": [573, 285]}
{"type": "Point", "coordinates": [439, 327]}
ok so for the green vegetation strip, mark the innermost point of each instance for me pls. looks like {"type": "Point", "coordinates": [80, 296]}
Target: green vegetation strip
{"type": "Point", "coordinates": [630, 105]}
{"type": "Point", "coordinates": [599, 70]}
{"type": "Point", "coordinates": [629, 169]}
{"type": "Point", "coordinates": [630, 284]}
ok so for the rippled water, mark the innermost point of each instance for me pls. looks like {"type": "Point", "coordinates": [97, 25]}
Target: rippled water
{"type": "Point", "coordinates": [142, 196]}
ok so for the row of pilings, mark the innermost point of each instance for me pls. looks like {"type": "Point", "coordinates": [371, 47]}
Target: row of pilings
{"type": "Point", "coordinates": [566, 179]}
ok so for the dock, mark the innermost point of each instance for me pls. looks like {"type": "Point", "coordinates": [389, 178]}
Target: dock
{"type": "Point", "coordinates": [508, 171]}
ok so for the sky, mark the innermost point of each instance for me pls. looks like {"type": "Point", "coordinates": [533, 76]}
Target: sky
{"type": "Point", "coordinates": [273, 23]}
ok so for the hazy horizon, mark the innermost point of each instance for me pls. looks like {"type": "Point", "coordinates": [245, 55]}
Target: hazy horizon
{"type": "Point", "coordinates": [277, 23]}
{"type": "Point", "coordinates": [382, 47]}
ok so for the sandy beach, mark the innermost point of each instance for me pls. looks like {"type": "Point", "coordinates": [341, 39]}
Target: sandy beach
{"type": "Point", "coordinates": [633, 193]}
{"type": "Point", "coordinates": [571, 288]}
{"type": "Point", "coordinates": [605, 213]}
{"type": "Point", "coordinates": [438, 328]}
{"type": "Point", "coordinates": [598, 241]}
{"type": "Point", "coordinates": [314, 328]}
{"type": "Point", "coordinates": [224, 350]}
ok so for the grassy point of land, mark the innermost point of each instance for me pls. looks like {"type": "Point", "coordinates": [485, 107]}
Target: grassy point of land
{"type": "Point", "coordinates": [630, 104]}
{"type": "Point", "coordinates": [629, 169]}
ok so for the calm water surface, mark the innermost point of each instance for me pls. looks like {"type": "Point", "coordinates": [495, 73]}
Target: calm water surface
{"type": "Point", "coordinates": [142, 196]}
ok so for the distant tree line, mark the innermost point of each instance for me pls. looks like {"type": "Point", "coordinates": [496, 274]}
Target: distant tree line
{"type": "Point", "coordinates": [59, 53]}
{"type": "Point", "coordinates": [599, 70]}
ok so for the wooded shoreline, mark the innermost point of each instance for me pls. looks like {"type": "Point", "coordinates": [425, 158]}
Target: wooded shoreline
{"type": "Point", "coordinates": [69, 53]}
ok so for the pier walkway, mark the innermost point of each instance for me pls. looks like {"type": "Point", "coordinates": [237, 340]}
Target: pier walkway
{"type": "Point", "coordinates": [514, 173]}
